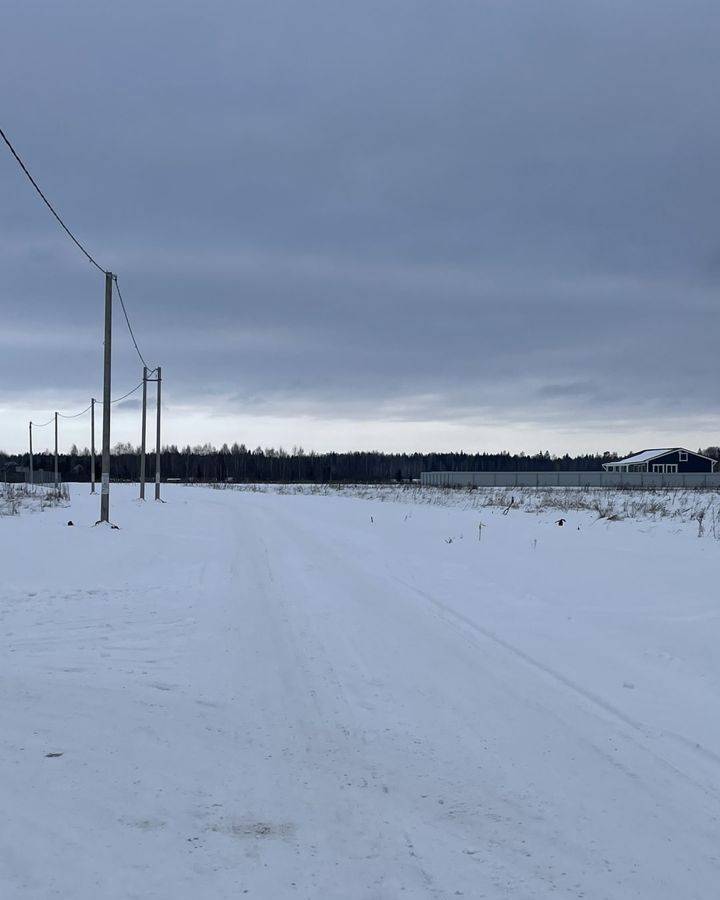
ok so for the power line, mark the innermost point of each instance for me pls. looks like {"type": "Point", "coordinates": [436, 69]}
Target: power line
{"type": "Point", "coordinates": [47, 202]}
{"type": "Point", "coordinates": [77, 415]}
{"type": "Point", "coordinates": [109, 278]}
{"type": "Point", "coordinates": [124, 396]}
{"type": "Point", "coordinates": [122, 304]}
{"type": "Point", "coordinates": [97, 403]}
{"type": "Point", "coordinates": [136, 388]}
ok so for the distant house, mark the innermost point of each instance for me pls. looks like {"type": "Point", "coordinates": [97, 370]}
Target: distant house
{"type": "Point", "coordinates": [669, 460]}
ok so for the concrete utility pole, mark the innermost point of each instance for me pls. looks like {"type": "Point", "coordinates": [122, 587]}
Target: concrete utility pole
{"type": "Point", "coordinates": [142, 441]}
{"type": "Point", "coordinates": [32, 476]}
{"type": "Point", "coordinates": [157, 439]}
{"type": "Point", "coordinates": [105, 480]}
{"type": "Point", "coordinates": [92, 445]}
{"type": "Point", "coordinates": [56, 454]}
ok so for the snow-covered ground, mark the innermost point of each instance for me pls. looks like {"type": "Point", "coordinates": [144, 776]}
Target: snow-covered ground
{"type": "Point", "coordinates": [296, 696]}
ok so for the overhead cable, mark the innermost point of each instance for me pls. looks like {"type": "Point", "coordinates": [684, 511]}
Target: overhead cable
{"type": "Point", "coordinates": [77, 415]}
{"type": "Point", "coordinates": [122, 304]}
{"type": "Point", "coordinates": [136, 388]}
{"type": "Point", "coordinates": [124, 396]}
{"type": "Point", "coordinates": [97, 266]}
{"type": "Point", "coordinates": [87, 409]}
{"type": "Point", "coordinates": [47, 202]}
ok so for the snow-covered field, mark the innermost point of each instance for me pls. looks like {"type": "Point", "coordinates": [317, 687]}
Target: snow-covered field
{"type": "Point", "coordinates": [306, 696]}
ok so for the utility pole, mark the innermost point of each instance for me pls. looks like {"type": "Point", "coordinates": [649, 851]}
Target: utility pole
{"type": "Point", "coordinates": [56, 454]}
{"type": "Point", "coordinates": [92, 445]}
{"type": "Point", "coordinates": [157, 439]}
{"type": "Point", "coordinates": [105, 482]}
{"type": "Point", "coordinates": [32, 477]}
{"type": "Point", "coordinates": [142, 442]}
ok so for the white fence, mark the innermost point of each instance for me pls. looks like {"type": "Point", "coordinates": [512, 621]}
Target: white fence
{"type": "Point", "coordinates": [569, 479]}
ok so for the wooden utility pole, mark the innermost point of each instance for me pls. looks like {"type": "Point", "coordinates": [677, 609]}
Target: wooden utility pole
{"type": "Point", "coordinates": [142, 441]}
{"type": "Point", "coordinates": [105, 478]}
{"type": "Point", "coordinates": [92, 445]}
{"type": "Point", "coordinates": [157, 439]}
{"type": "Point", "coordinates": [32, 476]}
{"type": "Point", "coordinates": [56, 453]}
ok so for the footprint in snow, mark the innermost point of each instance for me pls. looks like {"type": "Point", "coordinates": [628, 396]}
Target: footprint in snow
{"type": "Point", "coordinates": [160, 686]}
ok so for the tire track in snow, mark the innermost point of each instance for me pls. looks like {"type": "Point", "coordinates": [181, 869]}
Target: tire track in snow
{"type": "Point", "coordinates": [321, 746]}
{"type": "Point", "coordinates": [456, 619]}
{"type": "Point", "coordinates": [507, 867]}
{"type": "Point", "coordinates": [492, 745]}
{"type": "Point", "coordinates": [452, 616]}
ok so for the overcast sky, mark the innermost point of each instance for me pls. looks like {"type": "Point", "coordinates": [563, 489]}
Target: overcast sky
{"type": "Point", "coordinates": [401, 225]}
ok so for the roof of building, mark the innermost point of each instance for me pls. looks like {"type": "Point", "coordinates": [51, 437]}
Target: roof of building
{"type": "Point", "coordinates": [647, 455]}
{"type": "Point", "coordinates": [643, 456]}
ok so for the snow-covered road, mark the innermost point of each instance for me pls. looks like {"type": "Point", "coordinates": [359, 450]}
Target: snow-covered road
{"type": "Point", "coordinates": [325, 697]}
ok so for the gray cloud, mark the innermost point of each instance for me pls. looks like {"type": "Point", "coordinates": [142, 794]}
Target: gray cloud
{"type": "Point", "coordinates": [129, 404]}
{"type": "Point", "coordinates": [418, 212]}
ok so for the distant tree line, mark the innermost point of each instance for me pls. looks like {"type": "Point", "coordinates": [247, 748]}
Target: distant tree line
{"type": "Point", "coordinates": [206, 463]}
